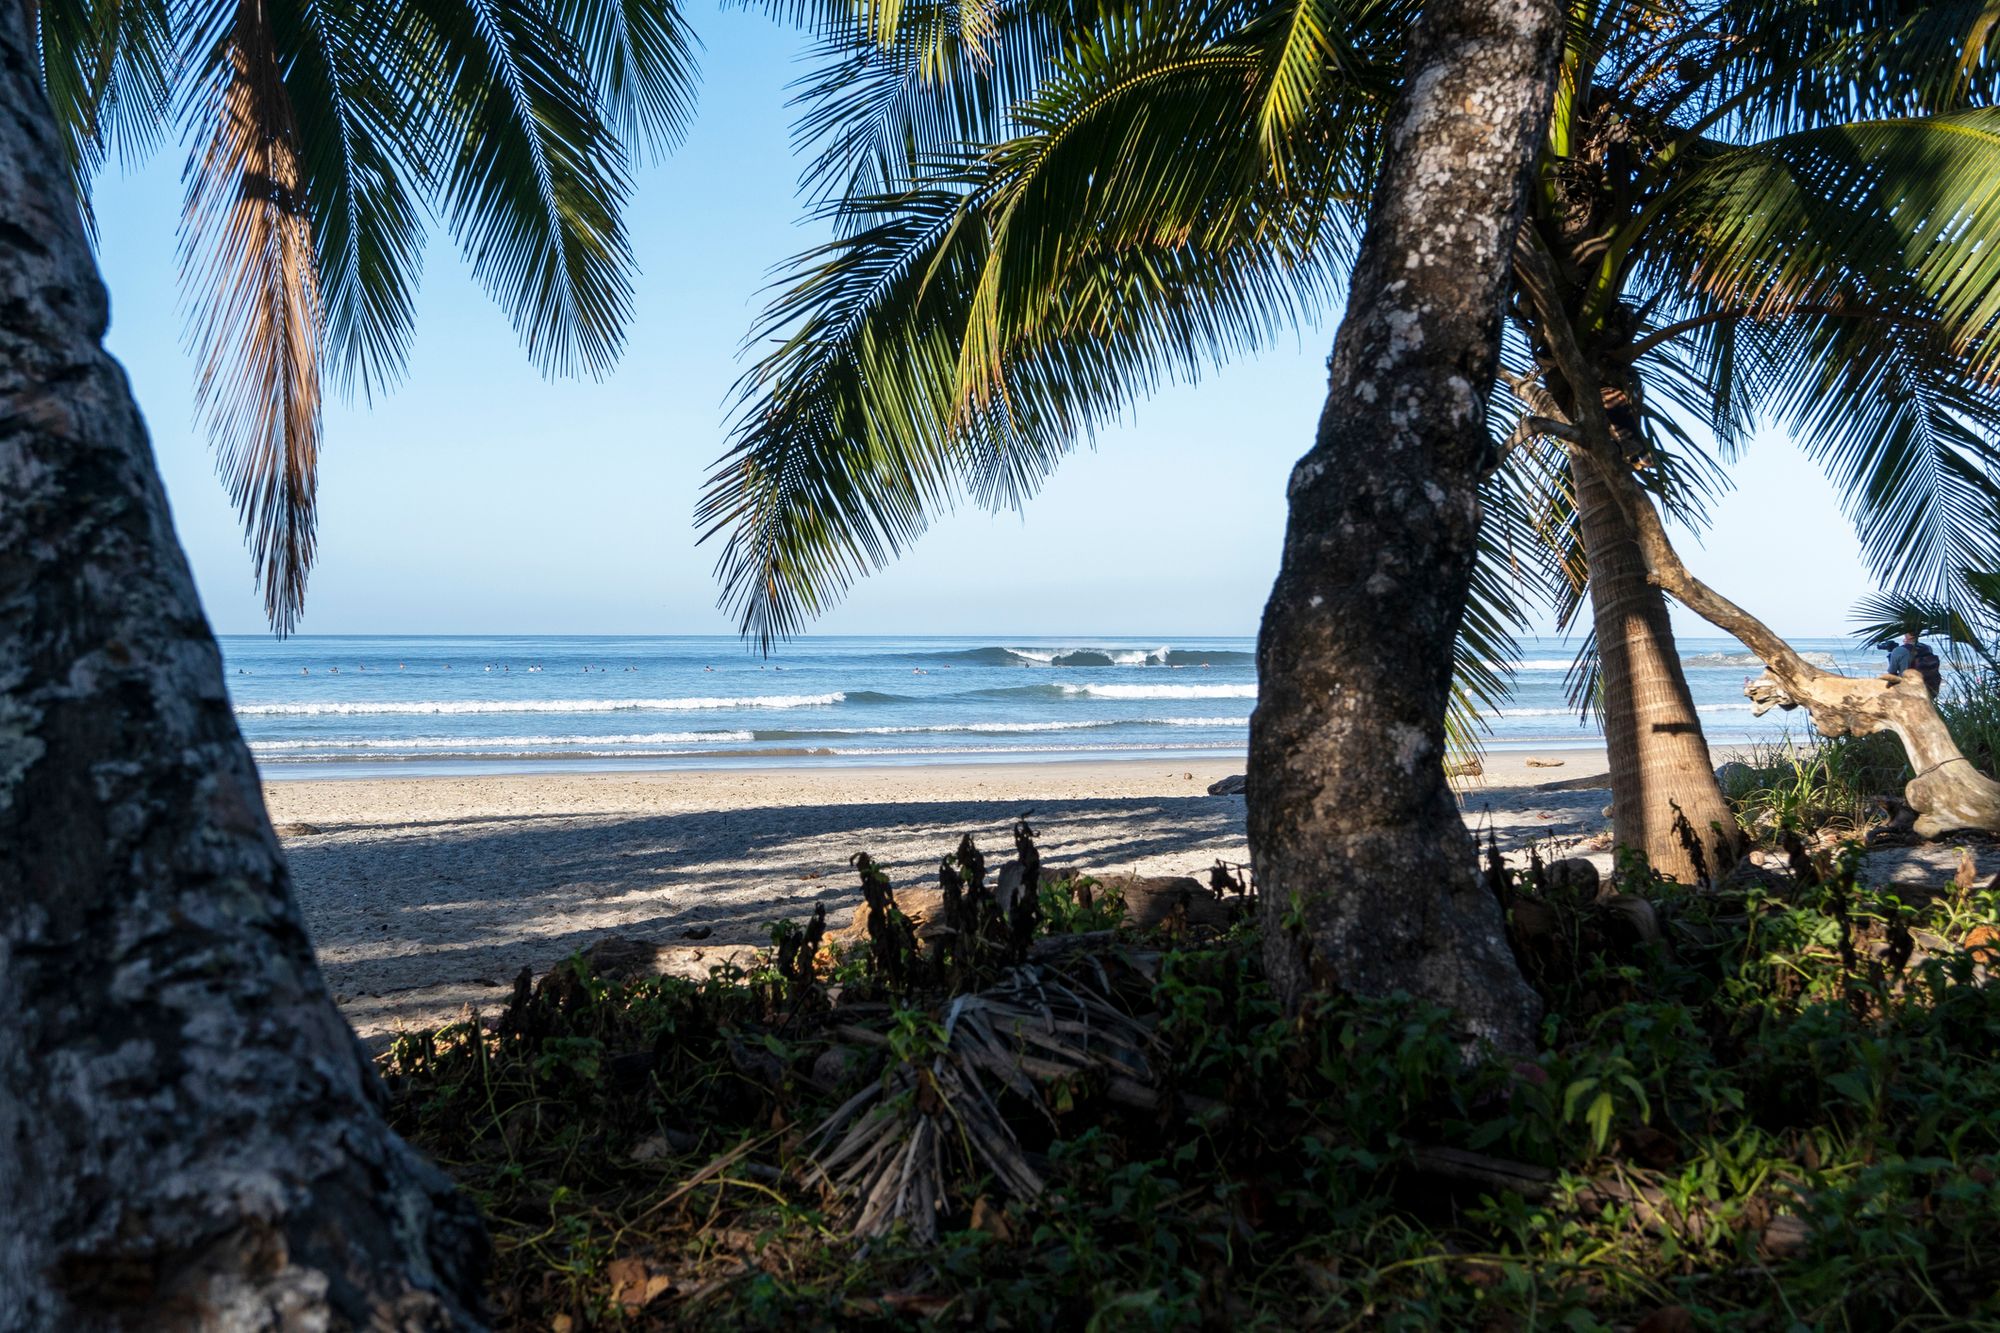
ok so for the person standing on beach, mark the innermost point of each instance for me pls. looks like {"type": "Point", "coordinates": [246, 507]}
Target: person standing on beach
{"type": "Point", "coordinates": [1913, 654]}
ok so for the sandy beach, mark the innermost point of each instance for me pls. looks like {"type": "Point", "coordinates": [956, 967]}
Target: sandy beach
{"type": "Point", "coordinates": [427, 894]}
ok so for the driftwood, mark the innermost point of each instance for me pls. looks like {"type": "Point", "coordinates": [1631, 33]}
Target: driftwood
{"type": "Point", "coordinates": [1948, 792]}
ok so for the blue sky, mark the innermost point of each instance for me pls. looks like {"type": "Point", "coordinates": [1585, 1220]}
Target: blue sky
{"type": "Point", "coordinates": [479, 498]}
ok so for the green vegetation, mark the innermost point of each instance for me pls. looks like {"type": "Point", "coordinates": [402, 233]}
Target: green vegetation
{"type": "Point", "coordinates": [1776, 1111]}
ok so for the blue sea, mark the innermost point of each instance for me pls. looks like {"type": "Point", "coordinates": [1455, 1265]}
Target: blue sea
{"type": "Point", "coordinates": [315, 706]}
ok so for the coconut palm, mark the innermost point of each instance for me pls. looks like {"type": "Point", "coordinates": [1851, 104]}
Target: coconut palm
{"type": "Point", "coordinates": [1749, 211]}
{"type": "Point", "coordinates": [323, 135]}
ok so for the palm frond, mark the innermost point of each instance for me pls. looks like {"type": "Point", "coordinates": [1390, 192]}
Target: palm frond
{"type": "Point", "coordinates": [247, 251]}
{"type": "Point", "coordinates": [353, 113]}
{"type": "Point", "coordinates": [533, 183]}
{"type": "Point", "coordinates": [642, 56]}
{"type": "Point", "coordinates": [1505, 584]}
{"type": "Point", "coordinates": [1746, 69]}
{"type": "Point", "coordinates": [976, 329]}
{"type": "Point", "coordinates": [1883, 616]}
{"type": "Point", "coordinates": [1900, 211]}
{"type": "Point", "coordinates": [877, 115]}
{"type": "Point", "coordinates": [1830, 301]}
{"type": "Point", "coordinates": [107, 67]}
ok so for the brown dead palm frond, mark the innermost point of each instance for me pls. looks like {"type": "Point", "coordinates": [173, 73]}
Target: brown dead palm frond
{"type": "Point", "coordinates": [256, 328]}
{"type": "Point", "coordinates": [905, 1148]}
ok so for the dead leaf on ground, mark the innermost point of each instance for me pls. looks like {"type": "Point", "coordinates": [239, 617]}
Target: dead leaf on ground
{"type": "Point", "coordinates": [1667, 1319]}
{"type": "Point", "coordinates": [634, 1286]}
{"type": "Point", "coordinates": [991, 1220]}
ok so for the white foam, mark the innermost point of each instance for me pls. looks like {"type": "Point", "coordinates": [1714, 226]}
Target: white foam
{"type": "Point", "coordinates": [495, 742]}
{"type": "Point", "coordinates": [1008, 728]}
{"type": "Point", "coordinates": [1118, 656]}
{"type": "Point", "coordinates": [1571, 712]}
{"type": "Point", "coordinates": [1164, 691]}
{"type": "Point", "coordinates": [1133, 748]}
{"type": "Point", "coordinates": [422, 706]}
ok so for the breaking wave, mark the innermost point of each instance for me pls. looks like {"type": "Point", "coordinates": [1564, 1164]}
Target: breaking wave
{"type": "Point", "coordinates": [1164, 691]}
{"type": "Point", "coordinates": [1089, 656]}
{"type": "Point", "coordinates": [417, 707]}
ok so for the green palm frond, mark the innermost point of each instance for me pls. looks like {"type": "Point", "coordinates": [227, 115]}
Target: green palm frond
{"type": "Point", "coordinates": [1869, 347]}
{"type": "Point", "coordinates": [877, 116]}
{"type": "Point", "coordinates": [1883, 616]}
{"type": "Point", "coordinates": [107, 66]}
{"type": "Point", "coordinates": [352, 112]}
{"type": "Point", "coordinates": [1509, 579]}
{"type": "Point", "coordinates": [1746, 69]}
{"type": "Point", "coordinates": [641, 56]}
{"type": "Point", "coordinates": [531, 181]}
{"type": "Point", "coordinates": [1898, 211]}
{"type": "Point", "coordinates": [973, 331]}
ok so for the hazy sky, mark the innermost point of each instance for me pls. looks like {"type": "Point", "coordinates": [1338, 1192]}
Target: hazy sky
{"type": "Point", "coordinates": [479, 498]}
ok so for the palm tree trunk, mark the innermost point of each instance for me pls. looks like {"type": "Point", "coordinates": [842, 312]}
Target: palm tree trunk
{"type": "Point", "coordinates": [190, 1136]}
{"type": "Point", "coordinates": [1363, 863]}
{"type": "Point", "coordinates": [1665, 800]}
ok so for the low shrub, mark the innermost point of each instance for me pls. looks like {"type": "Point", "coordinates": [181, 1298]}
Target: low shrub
{"type": "Point", "coordinates": [1781, 1112]}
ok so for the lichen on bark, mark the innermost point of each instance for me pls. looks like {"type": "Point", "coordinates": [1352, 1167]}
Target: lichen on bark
{"type": "Point", "coordinates": [1365, 867]}
{"type": "Point", "coordinates": [190, 1137]}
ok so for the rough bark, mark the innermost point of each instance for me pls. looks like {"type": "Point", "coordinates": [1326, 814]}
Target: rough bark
{"type": "Point", "coordinates": [1364, 866]}
{"type": "Point", "coordinates": [1948, 792]}
{"type": "Point", "coordinates": [1665, 801]}
{"type": "Point", "coordinates": [190, 1136]}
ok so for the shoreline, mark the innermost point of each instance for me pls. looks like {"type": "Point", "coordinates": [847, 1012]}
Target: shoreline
{"type": "Point", "coordinates": [1513, 764]}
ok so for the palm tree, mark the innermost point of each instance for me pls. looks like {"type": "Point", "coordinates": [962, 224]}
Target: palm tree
{"type": "Point", "coordinates": [1762, 211]}
{"type": "Point", "coordinates": [1749, 210]}
{"type": "Point", "coordinates": [321, 134]}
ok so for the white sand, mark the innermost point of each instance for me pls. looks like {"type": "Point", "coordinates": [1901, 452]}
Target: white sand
{"type": "Point", "coordinates": [425, 894]}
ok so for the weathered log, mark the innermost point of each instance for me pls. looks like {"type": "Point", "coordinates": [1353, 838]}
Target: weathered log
{"type": "Point", "coordinates": [1948, 792]}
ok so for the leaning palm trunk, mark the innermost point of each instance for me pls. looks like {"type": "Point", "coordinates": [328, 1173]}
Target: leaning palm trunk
{"type": "Point", "coordinates": [1947, 792]}
{"type": "Point", "coordinates": [1665, 801]}
{"type": "Point", "coordinates": [1365, 868]}
{"type": "Point", "coordinates": [189, 1133]}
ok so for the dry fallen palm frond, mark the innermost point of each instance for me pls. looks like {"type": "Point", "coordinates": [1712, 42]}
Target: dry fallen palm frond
{"type": "Point", "coordinates": [256, 327]}
{"type": "Point", "coordinates": [898, 1150]}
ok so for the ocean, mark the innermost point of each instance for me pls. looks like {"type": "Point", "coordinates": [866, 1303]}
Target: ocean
{"type": "Point", "coordinates": [323, 706]}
